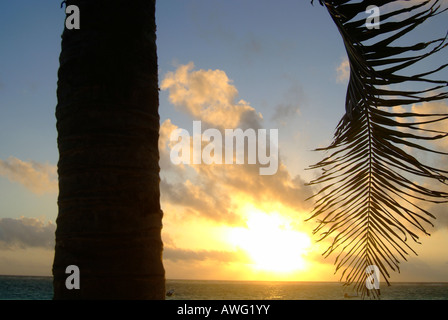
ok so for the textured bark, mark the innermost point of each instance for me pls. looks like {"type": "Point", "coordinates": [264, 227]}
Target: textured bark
{"type": "Point", "coordinates": [109, 221]}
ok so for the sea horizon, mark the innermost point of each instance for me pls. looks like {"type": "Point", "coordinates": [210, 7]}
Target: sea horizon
{"type": "Point", "coordinates": [40, 287]}
{"type": "Point", "coordinates": [239, 280]}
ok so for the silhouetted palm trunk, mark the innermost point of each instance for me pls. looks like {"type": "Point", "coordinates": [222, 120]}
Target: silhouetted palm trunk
{"type": "Point", "coordinates": [109, 219]}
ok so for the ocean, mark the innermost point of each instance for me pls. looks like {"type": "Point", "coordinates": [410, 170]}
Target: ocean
{"type": "Point", "coordinates": [41, 288]}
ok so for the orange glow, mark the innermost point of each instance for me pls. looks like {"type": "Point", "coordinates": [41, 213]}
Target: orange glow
{"type": "Point", "coordinates": [271, 243]}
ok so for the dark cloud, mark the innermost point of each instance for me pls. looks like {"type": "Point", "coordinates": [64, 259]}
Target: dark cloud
{"type": "Point", "coordinates": [440, 211]}
{"type": "Point", "coordinates": [249, 119]}
{"type": "Point", "coordinates": [204, 200]}
{"type": "Point", "coordinates": [211, 191]}
{"type": "Point", "coordinates": [175, 255]}
{"type": "Point", "coordinates": [285, 111]}
{"type": "Point", "coordinates": [26, 232]}
{"type": "Point", "coordinates": [252, 45]}
{"type": "Point", "coordinates": [293, 98]}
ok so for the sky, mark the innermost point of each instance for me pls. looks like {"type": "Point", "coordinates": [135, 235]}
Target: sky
{"type": "Point", "coordinates": [259, 64]}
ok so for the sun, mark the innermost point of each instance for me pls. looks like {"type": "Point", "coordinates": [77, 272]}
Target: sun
{"type": "Point", "coordinates": [271, 243]}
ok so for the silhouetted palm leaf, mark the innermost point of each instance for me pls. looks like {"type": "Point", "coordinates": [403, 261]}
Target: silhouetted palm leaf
{"type": "Point", "coordinates": [368, 205]}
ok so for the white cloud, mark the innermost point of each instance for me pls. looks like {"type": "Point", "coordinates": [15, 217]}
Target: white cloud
{"type": "Point", "coordinates": [343, 71]}
{"type": "Point", "coordinates": [208, 95]}
{"type": "Point", "coordinates": [38, 178]}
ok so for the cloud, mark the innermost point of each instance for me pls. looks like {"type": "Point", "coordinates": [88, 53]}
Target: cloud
{"type": "Point", "coordinates": [438, 161]}
{"type": "Point", "coordinates": [343, 71]}
{"type": "Point", "coordinates": [207, 95]}
{"type": "Point", "coordinates": [202, 200]}
{"type": "Point", "coordinates": [215, 192]}
{"type": "Point", "coordinates": [285, 111]}
{"type": "Point", "coordinates": [26, 232]}
{"type": "Point", "coordinates": [436, 107]}
{"type": "Point", "coordinates": [252, 45]}
{"type": "Point", "coordinates": [289, 108]}
{"type": "Point", "coordinates": [38, 178]}
{"type": "Point", "coordinates": [176, 254]}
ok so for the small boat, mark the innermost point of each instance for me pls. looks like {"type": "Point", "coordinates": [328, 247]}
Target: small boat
{"type": "Point", "coordinates": [170, 293]}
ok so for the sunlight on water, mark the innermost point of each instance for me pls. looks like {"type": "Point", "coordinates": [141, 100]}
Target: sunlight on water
{"type": "Point", "coordinates": [253, 290]}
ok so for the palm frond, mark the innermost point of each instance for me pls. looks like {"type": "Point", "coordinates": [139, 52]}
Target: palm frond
{"type": "Point", "coordinates": [368, 205]}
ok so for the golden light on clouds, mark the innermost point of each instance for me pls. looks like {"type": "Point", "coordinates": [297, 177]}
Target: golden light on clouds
{"type": "Point", "coordinates": [267, 244]}
{"type": "Point", "coordinates": [207, 95]}
{"type": "Point", "coordinates": [39, 178]}
{"type": "Point", "coordinates": [343, 71]}
{"type": "Point", "coordinates": [228, 221]}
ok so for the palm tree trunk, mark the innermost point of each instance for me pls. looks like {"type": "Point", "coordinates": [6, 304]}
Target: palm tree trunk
{"type": "Point", "coordinates": [109, 221]}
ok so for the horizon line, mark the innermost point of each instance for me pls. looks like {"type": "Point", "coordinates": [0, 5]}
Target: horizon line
{"type": "Point", "coordinates": [222, 280]}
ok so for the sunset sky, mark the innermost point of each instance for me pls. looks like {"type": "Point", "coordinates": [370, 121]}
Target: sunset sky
{"type": "Point", "coordinates": [230, 64]}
